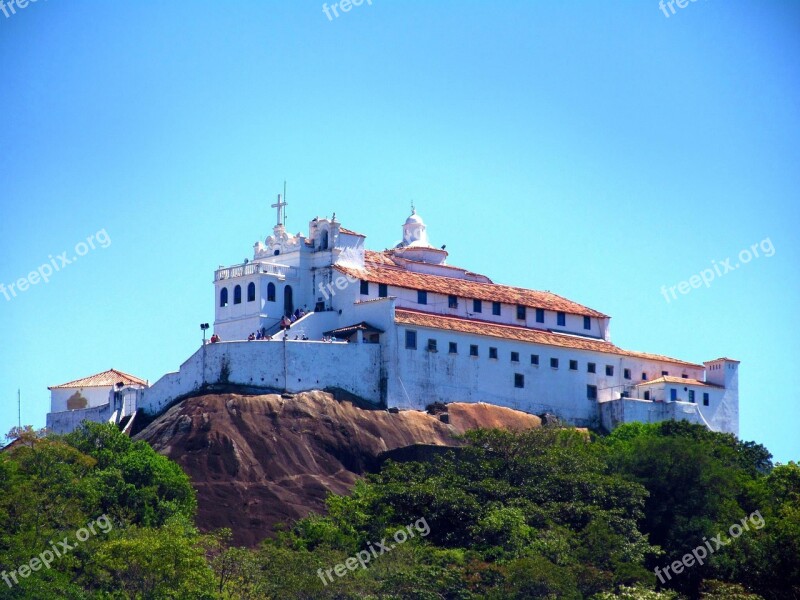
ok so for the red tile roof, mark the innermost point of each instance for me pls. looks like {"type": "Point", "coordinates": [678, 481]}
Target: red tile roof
{"type": "Point", "coordinates": [350, 232]}
{"type": "Point", "coordinates": [524, 334]}
{"type": "Point", "coordinates": [380, 268]}
{"type": "Point", "coordinates": [673, 379]}
{"type": "Point", "coordinates": [110, 377]}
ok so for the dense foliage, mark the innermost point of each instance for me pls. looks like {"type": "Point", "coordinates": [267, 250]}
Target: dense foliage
{"type": "Point", "coordinates": [548, 513]}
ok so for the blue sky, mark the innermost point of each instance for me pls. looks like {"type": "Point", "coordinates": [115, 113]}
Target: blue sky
{"type": "Point", "coordinates": [598, 150]}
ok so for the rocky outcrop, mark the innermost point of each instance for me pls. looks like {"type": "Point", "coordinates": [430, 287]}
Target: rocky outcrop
{"type": "Point", "coordinates": [259, 460]}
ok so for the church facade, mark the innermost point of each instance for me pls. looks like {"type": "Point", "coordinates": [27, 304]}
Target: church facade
{"type": "Point", "coordinates": [403, 328]}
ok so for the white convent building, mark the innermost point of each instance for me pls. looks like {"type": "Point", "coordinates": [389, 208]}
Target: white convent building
{"type": "Point", "coordinates": [402, 328]}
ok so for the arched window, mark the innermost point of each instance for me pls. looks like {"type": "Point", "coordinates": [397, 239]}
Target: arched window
{"type": "Point", "coordinates": [251, 292]}
{"type": "Point", "coordinates": [237, 294]}
{"type": "Point", "coordinates": [223, 297]}
{"type": "Point", "coordinates": [271, 292]}
{"type": "Point", "coordinates": [288, 302]}
{"type": "Point", "coordinates": [323, 240]}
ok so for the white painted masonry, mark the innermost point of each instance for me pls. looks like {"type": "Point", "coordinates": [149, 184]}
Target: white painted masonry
{"type": "Point", "coordinates": [414, 330]}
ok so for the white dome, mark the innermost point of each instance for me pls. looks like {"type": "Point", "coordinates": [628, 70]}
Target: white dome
{"type": "Point", "coordinates": [414, 219]}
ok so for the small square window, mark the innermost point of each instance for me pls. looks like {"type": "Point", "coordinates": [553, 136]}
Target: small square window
{"type": "Point", "coordinates": [573, 365]}
{"type": "Point", "coordinates": [664, 373]}
{"type": "Point", "coordinates": [496, 308]}
{"type": "Point", "coordinates": [432, 345]}
{"type": "Point", "coordinates": [626, 373]}
{"type": "Point", "coordinates": [477, 306]}
{"type": "Point", "coordinates": [364, 288]}
{"type": "Point", "coordinates": [609, 370]}
{"type": "Point", "coordinates": [422, 297]}
{"type": "Point", "coordinates": [473, 350]}
{"type": "Point", "coordinates": [705, 398]}
{"type": "Point", "coordinates": [383, 290]}
{"type": "Point", "coordinates": [691, 396]}
{"type": "Point", "coordinates": [685, 376]}
{"type": "Point", "coordinates": [453, 348]}
{"type": "Point", "coordinates": [591, 392]}
{"type": "Point", "coordinates": [492, 352]}
{"type": "Point", "coordinates": [521, 314]}
{"type": "Point", "coordinates": [515, 357]}
{"type": "Point", "coordinates": [411, 340]}
{"type": "Point", "coordinates": [554, 363]}
{"type": "Point", "coordinates": [540, 315]}
{"type": "Point", "coordinates": [452, 301]}
{"type": "Point", "coordinates": [519, 380]}
{"type": "Point", "coordinates": [535, 359]}
{"type": "Point", "coordinates": [561, 319]}
{"type": "Point", "coordinates": [591, 368]}
{"type": "Point", "coordinates": [587, 322]}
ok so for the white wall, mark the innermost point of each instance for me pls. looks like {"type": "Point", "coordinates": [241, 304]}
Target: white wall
{"type": "Point", "coordinates": [293, 366]}
{"type": "Point", "coordinates": [95, 396]}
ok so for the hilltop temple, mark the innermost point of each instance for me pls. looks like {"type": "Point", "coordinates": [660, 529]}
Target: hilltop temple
{"type": "Point", "coordinates": [403, 328]}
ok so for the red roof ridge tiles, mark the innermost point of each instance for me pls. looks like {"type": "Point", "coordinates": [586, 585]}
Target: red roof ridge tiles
{"type": "Point", "coordinates": [110, 377]}
{"type": "Point", "coordinates": [350, 232]}
{"type": "Point", "coordinates": [392, 274]}
{"type": "Point", "coordinates": [673, 379]}
{"type": "Point", "coordinates": [524, 334]}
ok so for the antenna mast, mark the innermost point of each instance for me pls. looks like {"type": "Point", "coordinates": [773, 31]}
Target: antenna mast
{"type": "Point", "coordinates": [19, 408]}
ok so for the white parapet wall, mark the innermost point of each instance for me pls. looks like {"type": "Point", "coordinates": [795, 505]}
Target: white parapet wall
{"type": "Point", "coordinates": [69, 420]}
{"type": "Point", "coordinates": [292, 366]}
{"type": "Point", "coordinates": [614, 413]}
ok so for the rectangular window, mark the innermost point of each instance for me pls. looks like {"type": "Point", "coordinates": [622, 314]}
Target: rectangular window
{"type": "Point", "coordinates": [609, 370]}
{"type": "Point", "coordinates": [691, 396]}
{"type": "Point", "coordinates": [554, 363]}
{"type": "Point", "coordinates": [591, 392]}
{"type": "Point", "coordinates": [477, 306]}
{"type": "Point", "coordinates": [573, 365]}
{"type": "Point", "coordinates": [626, 373]}
{"type": "Point", "coordinates": [664, 373]}
{"type": "Point", "coordinates": [422, 297]}
{"type": "Point", "coordinates": [492, 352]}
{"type": "Point", "coordinates": [587, 322]}
{"type": "Point", "coordinates": [540, 315]}
{"type": "Point", "coordinates": [452, 301]}
{"type": "Point", "coordinates": [473, 350]}
{"type": "Point", "coordinates": [515, 357]}
{"type": "Point", "coordinates": [411, 340]}
{"type": "Point", "coordinates": [496, 308]}
{"type": "Point", "coordinates": [535, 359]}
{"type": "Point", "coordinates": [644, 376]}
{"type": "Point", "coordinates": [521, 312]}
{"type": "Point", "coordinates": [519, 380]}
{"type": "Point", "coordinates": [364, 288]}
{"type": "Point", "coordinates": [647, 395]}
{"type": "Point", "coordinates": [383, 290]}
{"type": "Point", "coordinates": [453, 348]}
{"type": "Point", "coordinates": [685, 376]}
{"type": "Point", "coordinates": [673, 394]}
{"type": "Point", "coordinates": [591, 368]}
{"type": "Point", "coordinates": [705, 398]}
{"type": "Point", "coordinates": [561, 319]}
{"type": "Point", "coordinates": [432, 345]}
